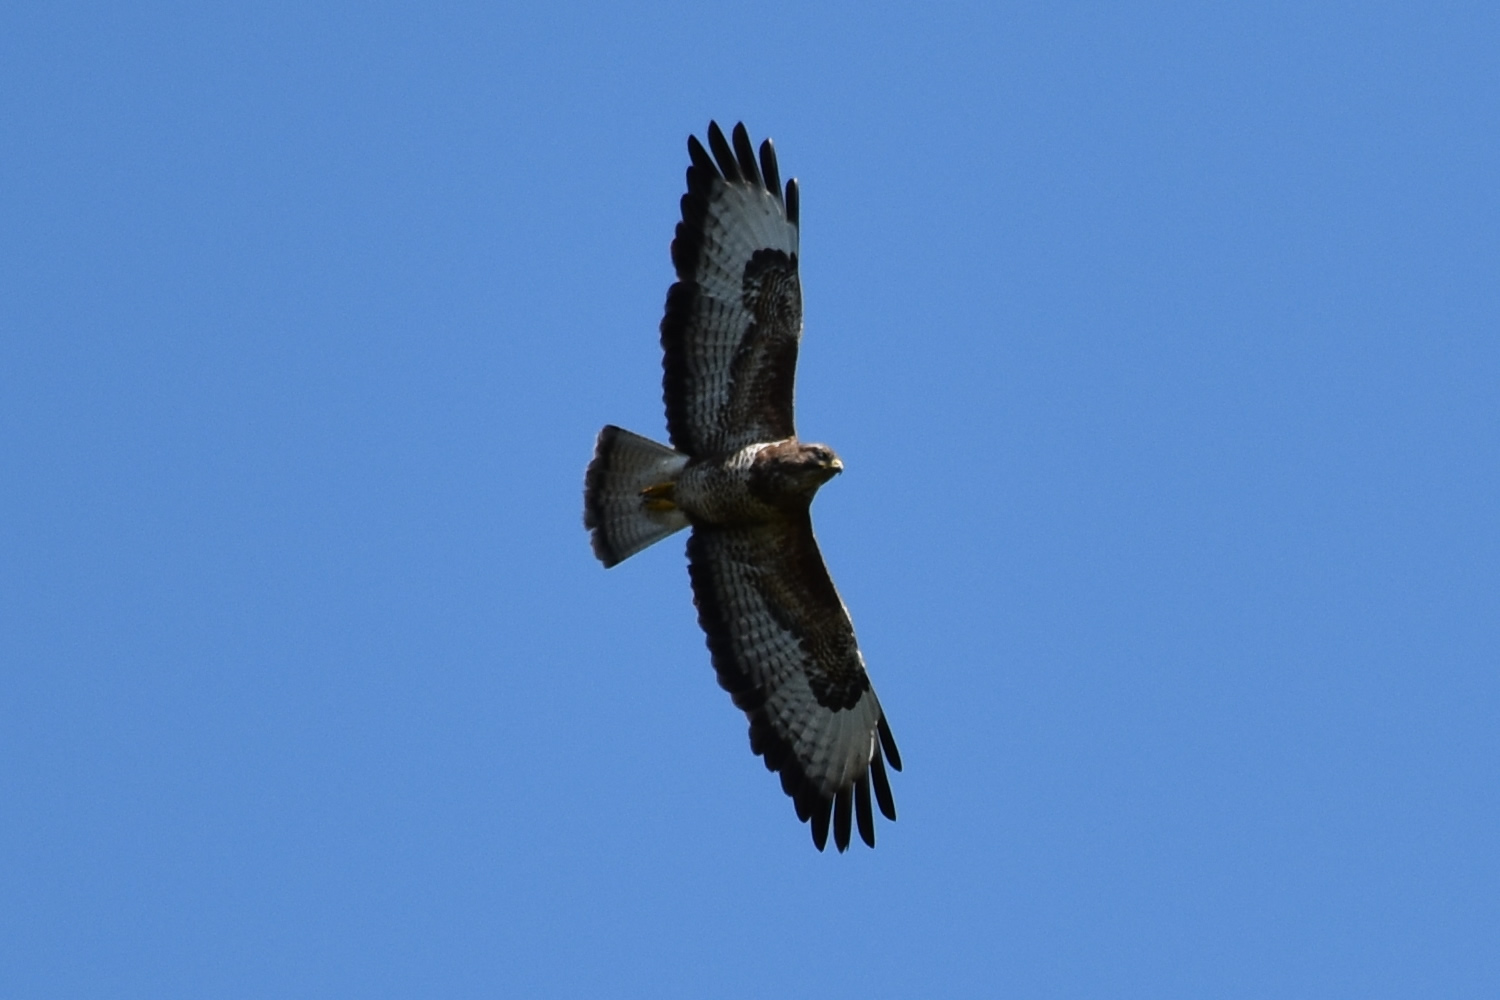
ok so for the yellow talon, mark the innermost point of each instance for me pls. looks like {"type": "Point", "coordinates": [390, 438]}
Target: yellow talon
{"type": "Point", "coordinates": [659, 497]}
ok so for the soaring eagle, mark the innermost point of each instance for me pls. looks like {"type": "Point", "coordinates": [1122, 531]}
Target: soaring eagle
{"type": "Point", "coordinates": [780, 636]}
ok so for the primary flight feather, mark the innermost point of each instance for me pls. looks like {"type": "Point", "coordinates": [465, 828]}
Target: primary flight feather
{"type": "Point", "coordinates": [780, 636]}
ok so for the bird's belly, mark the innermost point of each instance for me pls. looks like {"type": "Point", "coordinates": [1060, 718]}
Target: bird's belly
{"type": "Point", "coordinates": [718, 492]}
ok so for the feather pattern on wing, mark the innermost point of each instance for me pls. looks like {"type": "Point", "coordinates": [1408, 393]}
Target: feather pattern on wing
{"type": "Point", "coordinates": [784, 648]}
{"type": "Point", "coordinates": [734, 318]}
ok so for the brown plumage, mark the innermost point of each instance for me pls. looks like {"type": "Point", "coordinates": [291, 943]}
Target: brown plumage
{"type": "Point", "coordinates": [781, 640]}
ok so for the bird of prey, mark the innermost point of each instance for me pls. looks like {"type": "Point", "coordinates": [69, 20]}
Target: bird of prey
{"type": "Point", "coordinates": [737, 474]}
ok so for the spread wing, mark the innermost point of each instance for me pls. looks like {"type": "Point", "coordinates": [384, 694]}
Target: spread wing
{"type": "Point", "coordinates": [734, 317]}
{"type": "Point", "coordinates": [784, 648]}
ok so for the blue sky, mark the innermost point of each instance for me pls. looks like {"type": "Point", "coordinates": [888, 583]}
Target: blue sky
{"type": "Point", "coordinates": [1160, 343]}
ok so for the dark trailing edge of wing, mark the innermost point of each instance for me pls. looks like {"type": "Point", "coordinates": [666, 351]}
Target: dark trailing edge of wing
{"type": "Point", "coordinates": [810, 804]}
{"type": "Point", "coordinates": [735, 165]}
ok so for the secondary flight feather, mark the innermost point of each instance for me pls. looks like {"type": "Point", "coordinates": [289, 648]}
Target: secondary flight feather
{"type": "Point", "coordinates": [737, 474]}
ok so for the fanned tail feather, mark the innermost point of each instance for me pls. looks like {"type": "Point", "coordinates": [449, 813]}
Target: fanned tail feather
{"type": "Point", "coordinates": [614, 509]}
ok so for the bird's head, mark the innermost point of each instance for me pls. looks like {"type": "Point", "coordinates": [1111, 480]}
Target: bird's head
{"type": "Point", "coordinates": [791, 472]}
{"type": "Point", "coordinates": [817, 463]}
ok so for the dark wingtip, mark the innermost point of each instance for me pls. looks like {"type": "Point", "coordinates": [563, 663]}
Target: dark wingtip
{"type": "Point", "coordinates": [744, 154]}
{"type": "Point", "coordinates": [700, 158]}
{"type": "Point", "coordinates": [723, 155]}
{"type": "Point", "coordinates": [843, 813]}
{"type": "Point", "coordinates": [793, 206]}
{"type": "Point", "coordinates": [889, 743]}
{"type": "Point", "coordinates": [862, 813]}
{"type": "Point", "coordinates": [820, 815]}
{"type": "Point", "coordinates": [883, 796]}
{"type": "Point", "coordinates": [771, 174]}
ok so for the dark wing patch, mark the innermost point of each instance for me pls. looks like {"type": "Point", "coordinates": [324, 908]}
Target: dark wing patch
{"type": "Point", "coordinates": [764, 369]}
{"type": "Point", "coordinates": [784, 648]}
{"type": "Point", "coordinates": [734, 317]}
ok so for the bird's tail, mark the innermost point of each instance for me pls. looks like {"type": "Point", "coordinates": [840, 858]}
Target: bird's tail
{"type": "Point", "coordinates": [627, 494]}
